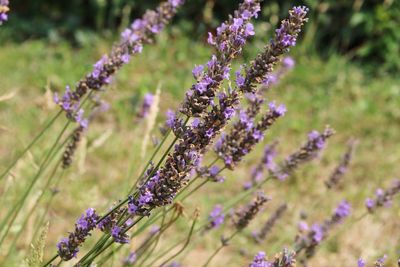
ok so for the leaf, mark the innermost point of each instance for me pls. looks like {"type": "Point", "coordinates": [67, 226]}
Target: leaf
{"type": "Point", "coordinates": [35, 258]}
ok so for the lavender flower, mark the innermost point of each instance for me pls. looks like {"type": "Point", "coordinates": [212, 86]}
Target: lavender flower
{"type": "Point", "coordinates": [162, 185]}
{"type": "Point", "coordinates": [267, 162]}
{"type": "Point", "coordinates": [231, 37]}
{"type": "Point", "coordinates": [119, 236]}
{"type": "Point", "coordinates": [72, 146]}
{"type": "Point", "coordinates": [285, 258]}
{"type": "Point", "coordinates": [269, 224]}
{"type": "Point", "coordinates": [146, 105]}
{"type": "Point", "coordinates": [244, 216]}
{"type": "Point", "coordinates": [130, 259]}
{"type": "Point", "coordinates": [309, 151]}
{"type": "Point", "coordinates": [141, 31]}
{"type": "Point", "coordinates": [383, 198]}
{"type": "Point", "coordinates": [341, 169]}
{"type": "Point", "coordinates": [381, 261]}
{"type": "Point", "coordinates": [309, 238]}
{"type": "Point", "coordinates": [69, 247]}
{"type": "Point", "coordinates": [236, 147]}
{"type": "Point", "coordinates": [4, 10]}
{"type": "Point", "coordinates": [259, 260]}
{"type": "Point", "coordinates": [216, 217]}
{"type": "Point", "coordinates": [361, 262]}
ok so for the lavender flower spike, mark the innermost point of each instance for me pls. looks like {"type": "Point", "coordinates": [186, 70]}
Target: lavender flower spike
{"type": "Point", "coordinates": [383, 198]}
{"type": "Point", "coordinates": [309, 239]}
{"type": "Point", "coordinates": [341, 169]}
{"type": "Point", "coordinates": [142, 31]}
{"type": "Point", "coordinates": [360, 263]}
{"type": "Point", "coordinates": [68, 248]}
{"type": "Point", "coordinates": [248, 213]}
{"type": "Point", "coordinates": [146, 105]}
{"type": "Point", "coordinates": [4, 10]}
{"type": "Point", "coordinates": [309, 151]}
{"type": "Point", "coordinates": [285, 258]}
{"type": "Point", "coordinates": [216, 217]}
{"type": "Point", "coordinates": [230, 38]}
{"type": "Point", "coordinates": [269, 224]}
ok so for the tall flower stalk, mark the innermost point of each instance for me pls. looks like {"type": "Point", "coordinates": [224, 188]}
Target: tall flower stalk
{"type": "Point", "coordinates": [164, 182]}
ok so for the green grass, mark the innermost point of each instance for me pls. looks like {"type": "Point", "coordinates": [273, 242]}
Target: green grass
{"type": "Point", "coordinates": [317, 93]}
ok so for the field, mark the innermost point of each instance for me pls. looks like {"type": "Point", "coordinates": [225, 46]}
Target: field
{"type": "Point", "coordinates": [317, 92]}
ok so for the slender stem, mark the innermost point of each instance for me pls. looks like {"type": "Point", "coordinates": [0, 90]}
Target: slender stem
{"type": "Point", "coordinates": [182, 249]}
{"type": "Point", "coordinates": [26, 149]}
{"type": "Point", "coordinates": [224, 244]}
{"type": "Point", "coordinates": [31, 211]}
{"type": "Point", "coordinates": [18, 206]}
{"type": "Point", "coordinates": [148, 162]}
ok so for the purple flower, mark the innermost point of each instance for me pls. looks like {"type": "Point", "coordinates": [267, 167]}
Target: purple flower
{"type": "Point", "coordinates": [249, 31]}
{"type": "Point", "coordinates": [197, 71]}
{"type": "Point", "coordinates": [171, 119]}
{"type": "Point", "coordinates": [318, 232]}
{"type": "Point", "coordinates": [118, 235]}
{"type": "Point", "coordinates": [69, 247]}
{"type": "Point", "coordinates": [343, 210]}
{"type": "Point", "coordinates": [383, 198]}
{"type": "Point", "coordinates": [237, 23]}
{"type": "Point", "coordinates": [214, 170]}
{"type": "Point", "coordinates": [216, 217]}
{"type": "Point", "coordinates": [125, 58]}
{"type": "Point", "coordinates": [210, 39]}
{"type": "Point", "coordinates": [288, 62]}
{"type": "Point", "coordinates": [131, 259]}
{"type": "Point", "coordinates": [175, 3]}
{"type": "Point", "coordinates": [259, 260]}
{"type": "Point", "coordinates": [239, 79]}
{"type": "Point", "coordinates": [280, 110]}
{"type": "Point", "coordinates": [146, 105]}
{"type": "Point", "coordinates": [303, 226]}
{"type": "Point", "coordinates": [361, 262]}
{"type": "Point", "coordinates": [3, 11]}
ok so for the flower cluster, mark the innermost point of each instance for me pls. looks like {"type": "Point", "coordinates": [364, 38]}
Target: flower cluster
{"type": "Point", "coordinates": [267, 162]}
{"type": "Point", "coordinates": [162, 184]}
{"type": "Point", "coordinates": [383, 198]}
{"type": "Point", "coordinates": [238, 143]}
{"type": "Point", "coordinates": [275, 77]}
{"type": "Point", "coordinates": [140, 32]}
{"type": "Point", "coordinates": [341, 169]}
{"type": "Point", "coordinates": [146, 105]}
{"type": "Point", "coordinates": [378, 263]}
{"type": "Point", "coordinates": [211, 173]}
{"type": "Point", "coordinates": [266, 229]}
{"type": "Point", "coordinates": [309, 238]}
{"type": "Point", "coordinates": [216, 217]}
{"type": "Point", "coordinates": [244, 216]}
{"type": "Point", "coordinates": [310, 150]}
{"type": "Point", "coordinates": [285, 37]}
{"type": "Point", "coordinates": [230, 38]}
{"type": "Point", "coordinates": [69, 247]}
{"type": "Point", "coordinates": [285, 258]}
{"type": "Point", "coordinates": [4, 10]}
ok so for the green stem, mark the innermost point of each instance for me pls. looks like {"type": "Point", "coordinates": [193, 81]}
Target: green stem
{"type": "Point", "coordinates": [18, 206]}
{"type": "Point", "coordinates": [30, 145]}
{"type": "Point", "coordinates": [220, 248]}
{"type": "Point", "coordinates": [182, 249]}
{"type": "Point", "coordinates": [31, 211]}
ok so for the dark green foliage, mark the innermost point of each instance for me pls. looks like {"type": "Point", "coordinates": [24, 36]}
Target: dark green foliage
{"type": "Point", "coordinates": [363, 30]}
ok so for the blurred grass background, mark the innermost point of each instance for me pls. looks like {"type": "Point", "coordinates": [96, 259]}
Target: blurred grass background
{"type": "Point", "coordinates": [356, 95]}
